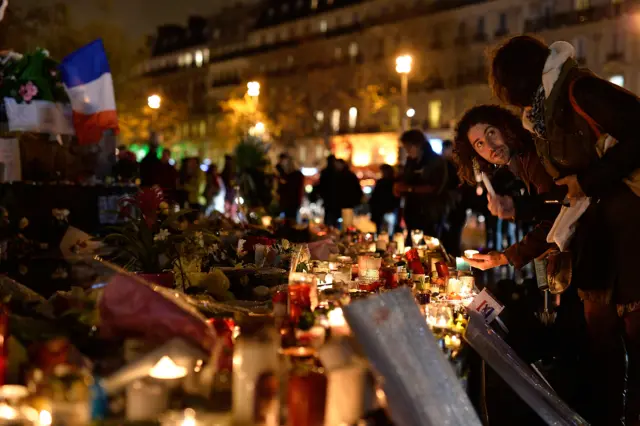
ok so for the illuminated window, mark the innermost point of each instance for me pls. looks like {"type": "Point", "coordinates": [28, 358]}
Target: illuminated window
{"type": "Point", "coordinates": [203, 128]}
{"type": "Point", "coordinates": [617, 79]}
{"type": "Point", "coordinates": [199, 57]}
{"type": "Point", "coordinates": [335, 120]}
{"type": "Point", "coordinates": [323, 26]}
{"type": "Point", "coordinates": [290, 60]}
{"type": "Point", "coordinates": [353, 49]}
{"type": "Point", "coordinates": [314, 4]}
{"type": "Point", "coordinates": [206, 54]}
{"type": "Point", "coordinates": [582, 4]}
{"type": "Point", "coordinates": [185, 130]}
{"type": "Point", "coordinates": [435, 114]}
{"type": "Point", "coordinates": [394, 116]}
{"type": "Point", "coordinates": [303, 153]}
{"type": "Point", "coordinates": [353, 117]}
{"type": "Point", "coordinates": [188, 59]}
{"type": "Point", "coordinates": [180, 60]}
{"type": "Point", "coordinates": [319, 116]}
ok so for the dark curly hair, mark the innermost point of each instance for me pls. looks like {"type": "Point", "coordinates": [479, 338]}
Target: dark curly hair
{"type": "Point", "coordinates": [517, 138]}
{"type": "Point", "coordinates": [516, 69]}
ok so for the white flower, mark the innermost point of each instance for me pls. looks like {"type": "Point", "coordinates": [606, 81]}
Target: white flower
{"type": "Point", "coordinates": [286, 244]}
{"type": "Point", "coordinates": [162, 235]}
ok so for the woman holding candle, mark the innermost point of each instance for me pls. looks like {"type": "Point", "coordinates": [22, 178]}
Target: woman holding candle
{"type": "Point", "coordinates": [489, 137]}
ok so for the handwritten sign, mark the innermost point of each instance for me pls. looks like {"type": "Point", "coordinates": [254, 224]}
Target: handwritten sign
{"type": "Point", "coordinates": [10, 160]}
{"type": "Point", "coordinates": [486, 305]}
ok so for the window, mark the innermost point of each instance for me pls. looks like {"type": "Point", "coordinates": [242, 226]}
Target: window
{"type": "Point", "coordinates": [319, 116]}
{"type": "Point", "coordinates": [353, 49]}
{"type": "Point", "coordinates": [199, 58]}
{"type": "Point", "coordinates": [582, 4]}
{"type": "Point", "coordinates": [617, 79]}
{"type": "Point", "coordinates": [338, 52]}
{"type": "Point", "coordinates": [319, 152]}
{"type": "Point", "coordinates": [285, 34]}
{"type": "Point", "coordinates": [188, 59]}
{"type": "Point", "coordinates": [303, 154]}
{"type": "Point", "coordinates": [314, 4]}
{"type": "Point", "coordinates": [206, 53]}
{"type": "Point", "coordinates": [203, 128]}
{"type": "Point", "coordinates": [185, 130]}
{"type": "Point", "coordinates": [480, 29]}
{"type": "Point", "coordinates": [353, 117]}
{"type": "Point", "coordinates": [323, 26]}
{"type": "Point", "coordinates": [502, 26]}
{"type": "Point", "coordinates": [335, 120]}
{"type": "Point", "coordinates": [435, 114]}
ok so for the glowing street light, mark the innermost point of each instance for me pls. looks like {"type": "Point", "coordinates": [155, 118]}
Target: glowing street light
{"type": "Point", "coordinates": [260, 128]}
{"type": "Point", "coordinates": [154, 101]}
{"type": "Point", "coordinates": [411, 113]}
{"type": "Point", "coordinates": [253, 89]}
{"type": "Point", "coordinates": [403, 64]}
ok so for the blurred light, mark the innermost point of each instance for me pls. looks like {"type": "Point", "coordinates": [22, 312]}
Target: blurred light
{"type": "Point", "coordinates": [436, 145]}
{"type": "Point", "coordinates": [368, 182]}
{"type": "Point", "coordinates": [253, 88]}
{"type": "Point", "coordinates": [411, 112]}
{"type": "Point", "coordinates": [308, 189]}
{"type": "Point", "coordinates": [199, 57]}
{"type": "Point", "coordinates": [361, 159]}
{"type": "Point", "coordinates": [367, 190]}
{"type": "Point", "coordinates": [172, 161]}
{"type": "Point", "coordinates": [403, 64]}
{"type": "Point", "coordinates": [353, 117]}
{"type": "Point", "coordinates": [45, 418]}
{"type": "Point", "coordinates": [617, 79]}
{"type": "Point", "coordinates": [260, 127]}
{"type": "Point", "coordinates": [479, 191]}
{"type": "Point", "coordinates": [309, 171]}
{"type": "Point", "coordinates": [391, 159]}
{"type": "Point", "coordinates": [207, 161]}
{"type": "Point", "coordinates": [204, 167]}
{"type": "Point", "coordinates": [154, 101]}
{"type": "Point", "coordinates": [481, 218]}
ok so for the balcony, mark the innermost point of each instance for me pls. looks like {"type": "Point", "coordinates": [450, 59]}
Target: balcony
{"type": "Point", "coordinates": [578, 17]}
{"type": "Point", "coordinates": [471, 76]}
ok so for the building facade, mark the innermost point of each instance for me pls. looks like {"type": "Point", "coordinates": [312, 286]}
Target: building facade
{"type": "Point", "coordinates": [327, 67]}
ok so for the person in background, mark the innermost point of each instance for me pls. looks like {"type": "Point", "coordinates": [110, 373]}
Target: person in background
{"type": "Point", "coordinates": [149, 164]}
{"type": "Point", "coordinates": [347, 187]}
{"type": "Point", "coordinates": [167, 175]}
{"type": "Point", "coordinates": [452, 236]}
{"type": "Point", "coordinates": [588, 138]}
{"type": "Point", "coordinates": [423, 186]}
{"type": "Point", "coordinates": [126, 167]}
{"type": "Point", "coordinates": [327, 191]}
{"type": "Point", "coordinates": [383, 203]}
{"type": "Point", "coordinates": [290, 188]}
{"type": "Point", "coordinates": [228, 176]}
{"type": "Point", "coordinates": [215, 191]}
{"type": "Point", "coordinates": [193, 182]}
{"type": "Point", "coordinates": [282, 159]}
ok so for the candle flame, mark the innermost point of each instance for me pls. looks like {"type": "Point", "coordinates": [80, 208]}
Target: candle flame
{"type": "Point", "coordinates": [167, 369]}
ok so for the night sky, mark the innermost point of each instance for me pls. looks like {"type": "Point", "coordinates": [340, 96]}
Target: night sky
{"type": "Point", "coordinates": [140, 17]}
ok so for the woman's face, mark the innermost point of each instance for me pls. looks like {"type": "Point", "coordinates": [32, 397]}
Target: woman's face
{"type": "Point", "coordinates": [489, 143]}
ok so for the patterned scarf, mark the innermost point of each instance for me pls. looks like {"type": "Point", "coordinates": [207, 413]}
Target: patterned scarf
{"type": "Point", "coordinates": [536, 114]}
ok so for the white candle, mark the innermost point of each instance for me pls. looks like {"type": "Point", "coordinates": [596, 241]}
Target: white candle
{"type": "Point", "coordinates": [146, 400]}
{"type": "Point", "coordinates": [454, 285]}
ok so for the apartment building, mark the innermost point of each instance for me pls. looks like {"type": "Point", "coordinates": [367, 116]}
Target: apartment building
{"type": "Point", "coordinates": [330, 64]}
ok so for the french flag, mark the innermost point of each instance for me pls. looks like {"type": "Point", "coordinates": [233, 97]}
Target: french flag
{"type": "Point", "coordinates": [87, 78]}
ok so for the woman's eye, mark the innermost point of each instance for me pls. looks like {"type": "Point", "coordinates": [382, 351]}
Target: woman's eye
{"type": "Point", "coordinates": [479, 144]}
{"type": "Point", "coordinates": [491, 132]}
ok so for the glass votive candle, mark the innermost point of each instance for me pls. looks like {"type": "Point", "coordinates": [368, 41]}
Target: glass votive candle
{"type": "Point", "coordinates": [303, 294]}
{"type": "Point", "coordinates": [417, 236]}
{"type": "Point", "coordinates": [468, 284]}
{"type": "Point", "coordinates": [454, 285]}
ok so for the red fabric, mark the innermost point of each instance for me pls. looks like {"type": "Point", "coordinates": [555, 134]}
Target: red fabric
{"type": "Point", "coordinates": [89, 128]}
{"type": "Point", "coordinates": [131, 308]}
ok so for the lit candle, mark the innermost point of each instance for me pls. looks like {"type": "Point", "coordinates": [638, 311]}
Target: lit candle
{"type": "Point", "coordinates": [166, 369]}
{"type": "Point", "coordinates": [470, 253]}
{"type": "Point", "coordinates": [468, 283]}
{"type": "Point", "coordinates": [337, 323]}
{"type": "Point", "coordinates": [146, 400]}
{"type": "Point", "coordinates": [454, 285]}
{"type": "Point", "coordinates": [266, 221]}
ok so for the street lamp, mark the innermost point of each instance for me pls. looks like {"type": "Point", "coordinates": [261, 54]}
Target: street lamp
{"type": "Point", "coordinates": [154, 101]}
{"type": "Point", "coordinates": [403, 67]}
{"type": "Point", "coordinates": [253, 89]}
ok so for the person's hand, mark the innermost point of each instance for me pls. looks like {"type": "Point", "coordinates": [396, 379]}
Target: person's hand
{"type": "Point", "coordinates": [501, 206]}
{"type": "Point", "coordinates": [574, 191]}
{"type": "Point", "coordinates": [487, 261]}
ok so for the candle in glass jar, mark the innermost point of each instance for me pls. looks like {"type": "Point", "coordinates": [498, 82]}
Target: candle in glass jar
{"type": "Point", "coordinates": [468, 284]}
{"type": "Point", "coordinates": [146, 400]}
{"type": "Point", "coordinates": [303, 294]}
{"type": "Point", "coordinates": [398, 238]}
{"type": "Point", "coordinates": [454, 285]}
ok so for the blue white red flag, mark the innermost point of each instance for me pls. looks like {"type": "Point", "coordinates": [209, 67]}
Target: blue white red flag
{"type": "Point", "coordinates": [87, 78]}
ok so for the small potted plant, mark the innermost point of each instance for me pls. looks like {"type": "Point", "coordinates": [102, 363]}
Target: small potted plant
{"type": "Point", "coordinates": [147, 242]}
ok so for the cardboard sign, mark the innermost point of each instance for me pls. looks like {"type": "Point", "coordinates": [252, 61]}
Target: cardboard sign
{"type": "Point", "coordinates": [10, 160]}
{"type": "Point", "coordinates": [486, 305]}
